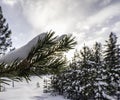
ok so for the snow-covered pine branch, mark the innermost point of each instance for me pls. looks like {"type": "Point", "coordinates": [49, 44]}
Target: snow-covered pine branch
{"type": "Point", "coordinates": [42, 51]}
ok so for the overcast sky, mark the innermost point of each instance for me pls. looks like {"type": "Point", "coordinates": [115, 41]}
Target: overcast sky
{"type": "Point", "coordinates": [88, 20]}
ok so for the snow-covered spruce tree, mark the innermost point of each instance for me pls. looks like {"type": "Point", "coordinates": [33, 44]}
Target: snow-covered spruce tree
{"type": "Point", "coordinates": [61, 83]}
{"type": "Point", "coordinates": [87, 73]}
{"type": "Point", "coordinates": [112, 67]}
{"type": "Point", "coordinates": [5, 40]}
{"type": "Point", "coordinates": [99, 83]}
{"type": "Point", "coordinates": [73, 88]}
{"type": "Point", "coordinates": [45, 55]}
{"type": "Point", "coordinates": [79, 76]}
{"type": "Point", "coordinates": [66, 84]}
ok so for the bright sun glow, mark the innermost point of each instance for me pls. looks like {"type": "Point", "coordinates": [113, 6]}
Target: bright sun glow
{"type": "Point", "coordinates": [59, 28]}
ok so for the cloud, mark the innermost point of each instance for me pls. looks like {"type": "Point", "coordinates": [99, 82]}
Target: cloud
{"type": "Point", "coordinates": [116, 27]}
{"type": "Point", "coordinates": [55, 13]}
{"type": "Point", "coordinates": [100, 18]}
{"type": "Point", "coordinates": [105, 2]}
{"type": "Point", "coordinates": [10, 2]}
{"type": "Point", "coordinates": [88, 20]}
{"type": "Point", "coordinates": [61, 13]}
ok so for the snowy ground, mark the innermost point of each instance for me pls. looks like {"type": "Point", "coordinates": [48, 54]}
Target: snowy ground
{"type": "Point", "coordinates": [27, 91]}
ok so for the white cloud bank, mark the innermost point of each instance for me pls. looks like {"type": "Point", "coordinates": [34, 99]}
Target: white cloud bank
{"type": "Point", "coordinates": [10, 2]}
{"type": "Point", "coordinates": [89, 20]}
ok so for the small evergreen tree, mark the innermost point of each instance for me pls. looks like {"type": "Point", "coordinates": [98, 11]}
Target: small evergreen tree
{"type": "Point", "coordinates": [99, 83]}
{"type": "Point", "coordinates": [87, 72]}
{"type": "Point", "coordinates": [5, 40]}
{"type": "Point", "coordinates": [112, 65]}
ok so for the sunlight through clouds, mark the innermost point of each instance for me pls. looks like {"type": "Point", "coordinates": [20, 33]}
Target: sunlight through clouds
{"type": "Point", "coordinates": [10, 2]}
{"type": "Point", "coordinates": [86, 19]}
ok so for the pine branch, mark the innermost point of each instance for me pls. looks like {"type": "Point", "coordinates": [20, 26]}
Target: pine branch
{"type": "Point", "coordinates": [45, 55]}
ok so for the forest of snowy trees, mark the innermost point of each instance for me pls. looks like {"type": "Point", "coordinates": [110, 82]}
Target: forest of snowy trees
{"type": "Point", "coordinates": [93, 74]}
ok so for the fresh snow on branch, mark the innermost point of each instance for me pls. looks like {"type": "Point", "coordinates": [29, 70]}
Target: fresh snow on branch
{"type": "Point", "coordinates": [22, 53]}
